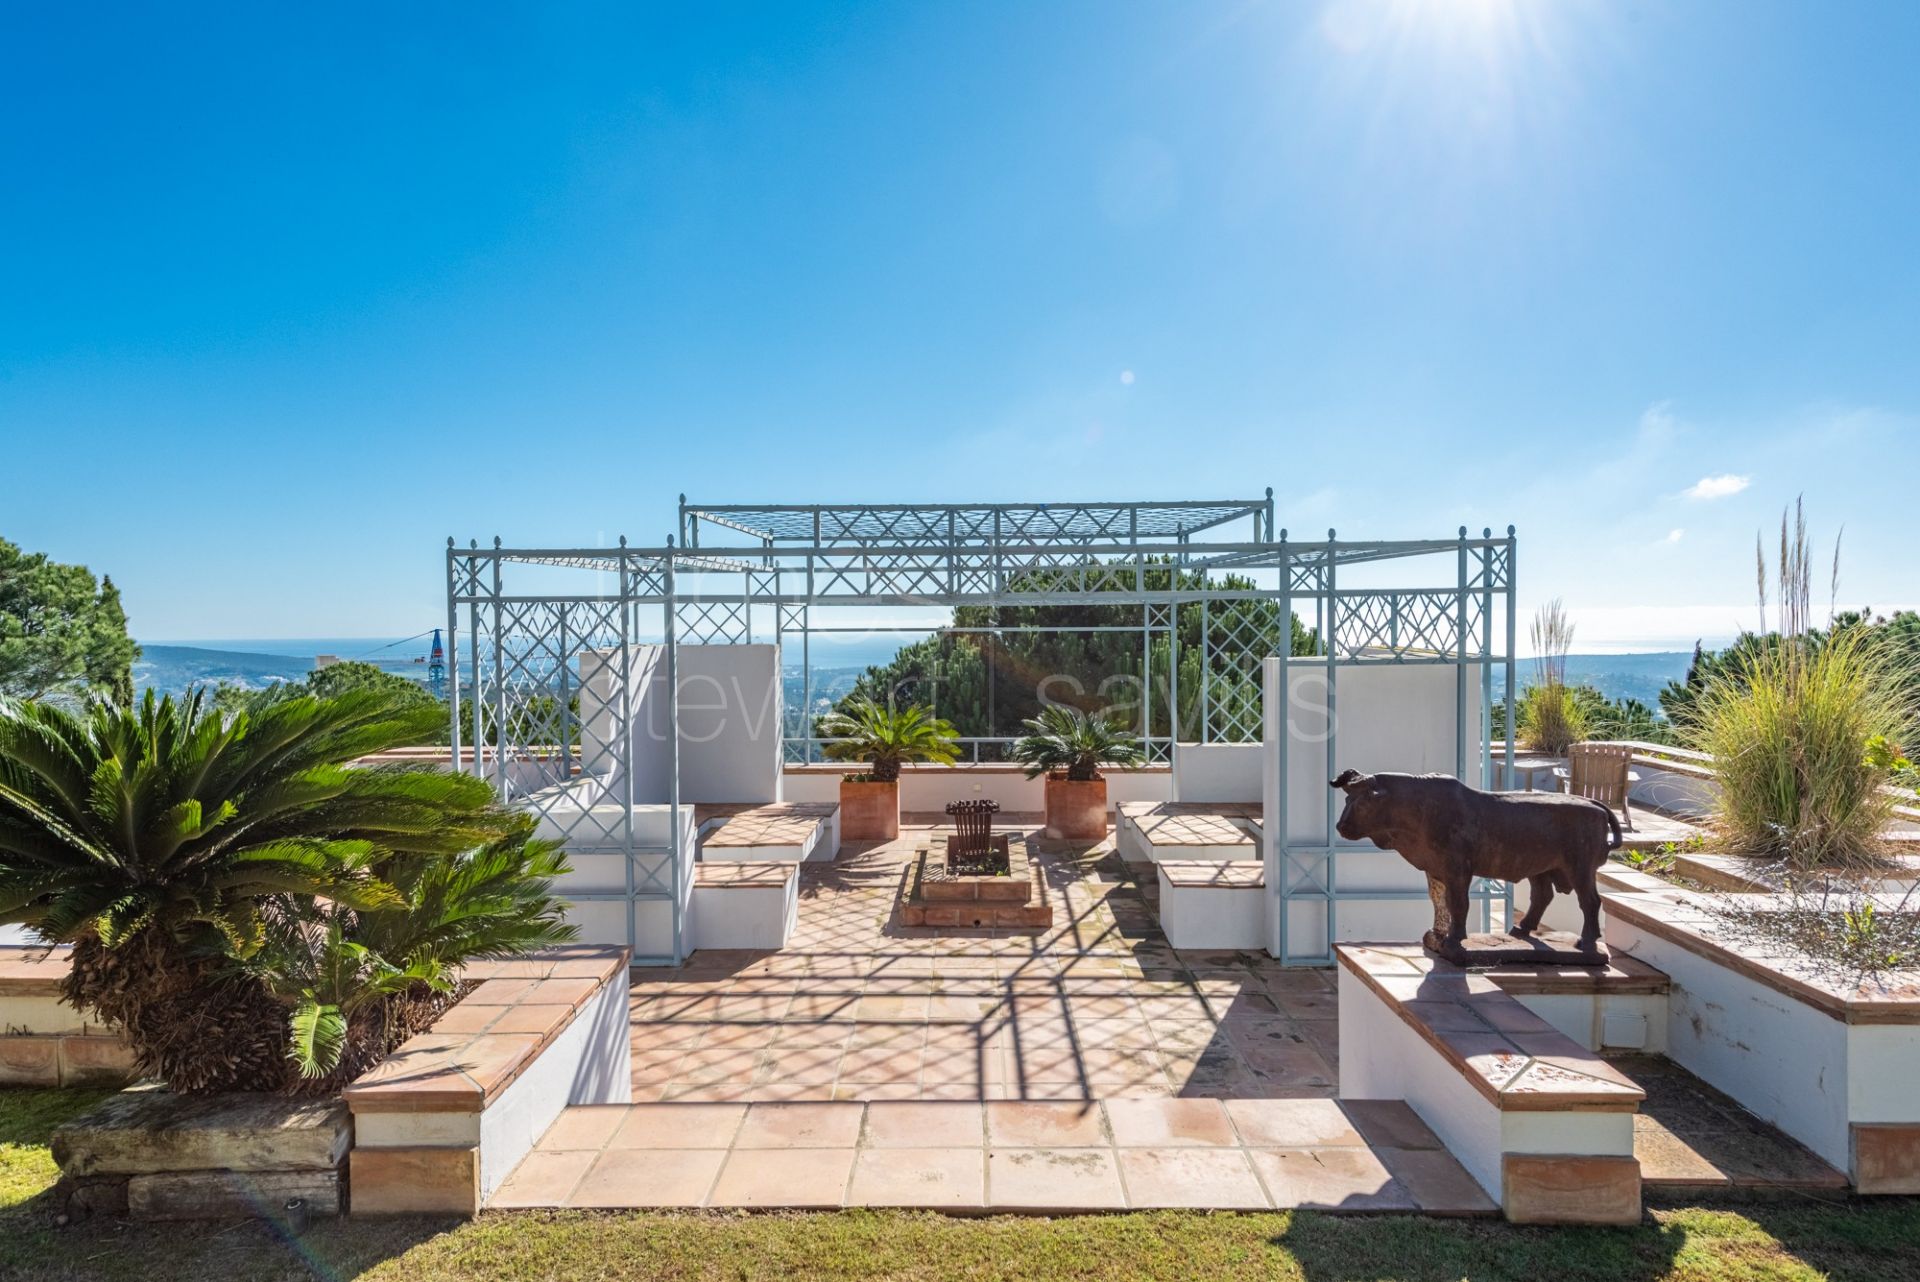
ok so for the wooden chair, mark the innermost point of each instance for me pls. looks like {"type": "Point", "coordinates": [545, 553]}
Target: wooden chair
{"type": "Point", "coordinates": [972, 828]}
{"type": "Point", "coordinates": [1601, 771]}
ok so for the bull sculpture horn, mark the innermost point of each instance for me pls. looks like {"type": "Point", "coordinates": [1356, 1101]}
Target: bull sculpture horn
{"type": "Point", "coordinates": [1346, 780]}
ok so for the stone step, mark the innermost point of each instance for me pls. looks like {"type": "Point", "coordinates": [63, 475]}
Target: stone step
{"type": "Point", "coordinates": [146, 1131]}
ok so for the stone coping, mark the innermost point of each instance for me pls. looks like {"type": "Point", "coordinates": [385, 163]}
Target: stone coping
{"type": "Point", "coordinates": [30, 970]}
{"type": "Point", "coordinates": [1743, 874]}
{"type": "Point", "coordinates": [1205, 874]}
{"type": "Point", "coordinates": [959, 767]}
{"type": "Point", "coordinates": [742, 874]}
{"type": "Point", "coordinates": [482, 1044]}
{"type": "Point", "coordinates": [1511, 1056]}
{"type": "Point", "coordinates": [1684, 919]}
{"type": "Point", "coordinates": [1193, 823]}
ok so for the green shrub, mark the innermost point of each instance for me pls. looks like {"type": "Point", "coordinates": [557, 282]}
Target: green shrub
{"type": "Point", "coordinates": [243, 902]}
{"type": "Point", "coordinates": [887, 736]}
{"type": "Point", "coordinates": [1066, 740]}
{"type": "Point", "coordinates": [1790, 724]}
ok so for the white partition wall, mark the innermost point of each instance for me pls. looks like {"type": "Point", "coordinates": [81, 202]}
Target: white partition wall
{"type": "Point", "coordinates": [728, 715]}
{"type": "Point", "coordinates": [1371, 717]}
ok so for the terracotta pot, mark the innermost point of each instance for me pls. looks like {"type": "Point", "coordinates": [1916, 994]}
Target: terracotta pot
{"type": "Point", "coordinates": [1076, 808]}
{"type": "Point", "coordinates": [869, 811]}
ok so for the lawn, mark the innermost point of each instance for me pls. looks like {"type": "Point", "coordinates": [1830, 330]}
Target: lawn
{"type": "Point", "coordinates": [1774, 1240]}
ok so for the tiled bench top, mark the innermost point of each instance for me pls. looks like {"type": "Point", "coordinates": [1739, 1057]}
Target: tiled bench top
{"type": "Point", "coordinates": [744, 874]}
{"type": "Point", "coordinates": [1175, 823]}
{"type": "Point", "coordinates": [480, 1046]}
{"type": "Point", "coordinates": [1214, 874]}
{"type": "Point", "coordinates": [1514, 1058]}
{"type": "Point", "coordinates": [1686, 919]}
{"type": "Point", "coordinates": [29, 971]}
{"type": "Point", "coordinates": [775, 825]}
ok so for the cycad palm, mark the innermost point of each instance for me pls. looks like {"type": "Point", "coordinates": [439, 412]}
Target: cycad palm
{"type": "Point", "coordinates": [156, 839]}
{"type": "Point", "coordinates": [1063, 738]}
{"type": "Point", "coordinates": [868, 730]}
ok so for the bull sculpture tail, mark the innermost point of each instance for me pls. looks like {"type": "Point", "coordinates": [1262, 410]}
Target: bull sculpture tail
{"type": "Point", "coordinates": [1613, 822]}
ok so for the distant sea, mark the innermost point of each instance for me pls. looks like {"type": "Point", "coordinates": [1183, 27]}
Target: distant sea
{"type": "Point", "coordinates": [169, 667]}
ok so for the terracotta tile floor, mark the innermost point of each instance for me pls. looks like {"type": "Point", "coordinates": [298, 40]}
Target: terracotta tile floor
{"type": "Point", "coordinates": [1099, 1006]}
{"type": "Point", "coordinates": [1087, 1066]}
{"type": "Point", "coordinates": [1005, 1156]}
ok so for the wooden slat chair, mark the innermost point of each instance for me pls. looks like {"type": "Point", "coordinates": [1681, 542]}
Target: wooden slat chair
{"type": "Point", "coordinates": [972, 828]}
{"type": "Point", "coordinates": [1601, 771]}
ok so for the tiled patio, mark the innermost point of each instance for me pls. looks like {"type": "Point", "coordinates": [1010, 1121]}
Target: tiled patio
{"type": "Point", "coordinates": [1085, 1067]}
{"type": "Point", "coordinates": [1005, 1156]}
{"type": "Point", "coordinates": [858, 1007]}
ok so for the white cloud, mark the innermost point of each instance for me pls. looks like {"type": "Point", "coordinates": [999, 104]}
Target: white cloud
{"type": "Point", "coordinates": [1674, 536]}
{"type": "Point", "coordinates": [1718, 487]}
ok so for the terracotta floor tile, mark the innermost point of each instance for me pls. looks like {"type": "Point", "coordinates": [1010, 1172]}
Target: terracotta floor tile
{"type": "Point", "coordinates": [1211, 1178]}
{"type": "Point", "coordinates": [679, 1126]}
{"type": "Point", "coordinates": [1053, 1179]}
{"type": "Point", "coordinates": [1342, 1179]}
{"type": "Point", "coordinates": [1168, 1123]}
{"type": "Point", "coordinates": [787, 1177]}
{"type": "Point", "coordinates": [1292, 1123]}
{"type": "Point", "coordinates": [586, 1127]}
{"type": "Point", "coordinates": [809, 1125]}
{"type": "Point", "coordinates": [649, 1177]}
{"type": "Point", "coordinates": [1389, 1123]}
{"type": "Point", "coordinates": [1044, 1125]}
{"type": "Point", "coordinates": [1438, 1184]}
{"type": "Point", "coordinates": [543, 1179]}
{"type": "Point", "coordinates": [912, 1177]}
{"type": "Point", "coordinates": [924, 1124]}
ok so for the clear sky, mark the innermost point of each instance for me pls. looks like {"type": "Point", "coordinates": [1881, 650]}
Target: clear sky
{"type": "Point", "coordinates": [293, 293]}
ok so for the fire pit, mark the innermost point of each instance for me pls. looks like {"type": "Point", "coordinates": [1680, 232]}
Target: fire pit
{"type": "Point", "coordinates": [975, 877]}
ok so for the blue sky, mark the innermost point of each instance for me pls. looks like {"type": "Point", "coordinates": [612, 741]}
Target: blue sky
{"type": "Point", "coordinates": [293, 295]}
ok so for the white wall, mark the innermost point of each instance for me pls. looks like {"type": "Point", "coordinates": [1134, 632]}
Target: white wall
{"type": "Point", "coordinates": [1226, 772]}
{"type": "Point", "coordinates": [1384, 717]}
{"type": "Point", "coordinates": [729, 722]}
{"type": "Point", "coordinates": [1783, 1059]}
{"type": "Point", "coordinates": [928, 789]}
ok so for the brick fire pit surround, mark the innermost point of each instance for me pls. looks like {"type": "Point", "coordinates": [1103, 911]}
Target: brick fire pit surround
{"type": "Point", "coordinates": [443, 1120]}
{"type": "Point", "coordinates": [940, 897]}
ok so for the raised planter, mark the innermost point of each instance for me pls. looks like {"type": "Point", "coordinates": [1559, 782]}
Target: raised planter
{"type": "Point", "coordinates": [45, 1042]}
{"type": "Point", "coordinates": [448, 1116]}
{"type": "Point", "coordinates": [942, 896]}
{"type": "Point", "coordinates": [1828, 1061]}
{"type": "Point", "coordinates": [153, 1155]}
{"type": "Point", "coordinates": [1076, 808]}
{"type": "Point", "coordinates": [869, 809]}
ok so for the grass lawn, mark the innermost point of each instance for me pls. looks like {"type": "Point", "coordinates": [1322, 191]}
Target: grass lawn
{"type": "Point", "coordinates": [1775, 1240]}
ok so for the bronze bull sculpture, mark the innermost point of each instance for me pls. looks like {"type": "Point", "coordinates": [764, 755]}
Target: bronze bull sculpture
{"type": "Point", "coordinates": [1454, 833]}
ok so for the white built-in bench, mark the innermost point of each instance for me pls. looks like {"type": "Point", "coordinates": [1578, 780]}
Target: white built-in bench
{"type": "Point", "coordinates": [737, 904]}
{"type": "Point", "coordinates": [1213, 904]}
{"type": "Point", "coordinates": [1541, 1122]}
{"type": "Point", "coordinates": [1156, 831]}
{"type": "Point", "coordinates": [795, 832]}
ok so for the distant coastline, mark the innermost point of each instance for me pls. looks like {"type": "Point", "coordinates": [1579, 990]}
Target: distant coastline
{"type": "Point", "coordinates": [171, 667]}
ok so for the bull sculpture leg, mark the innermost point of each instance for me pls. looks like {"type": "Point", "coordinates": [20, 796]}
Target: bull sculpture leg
{"type": "Point", "coordinates": [1442, 919]}
{"type": "Point", "coordinates": [1542, 888]}
{"type": "Point", "coordinates": [1587, 891]}
{"type": "Point", "coordinates": [1449, 919]}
